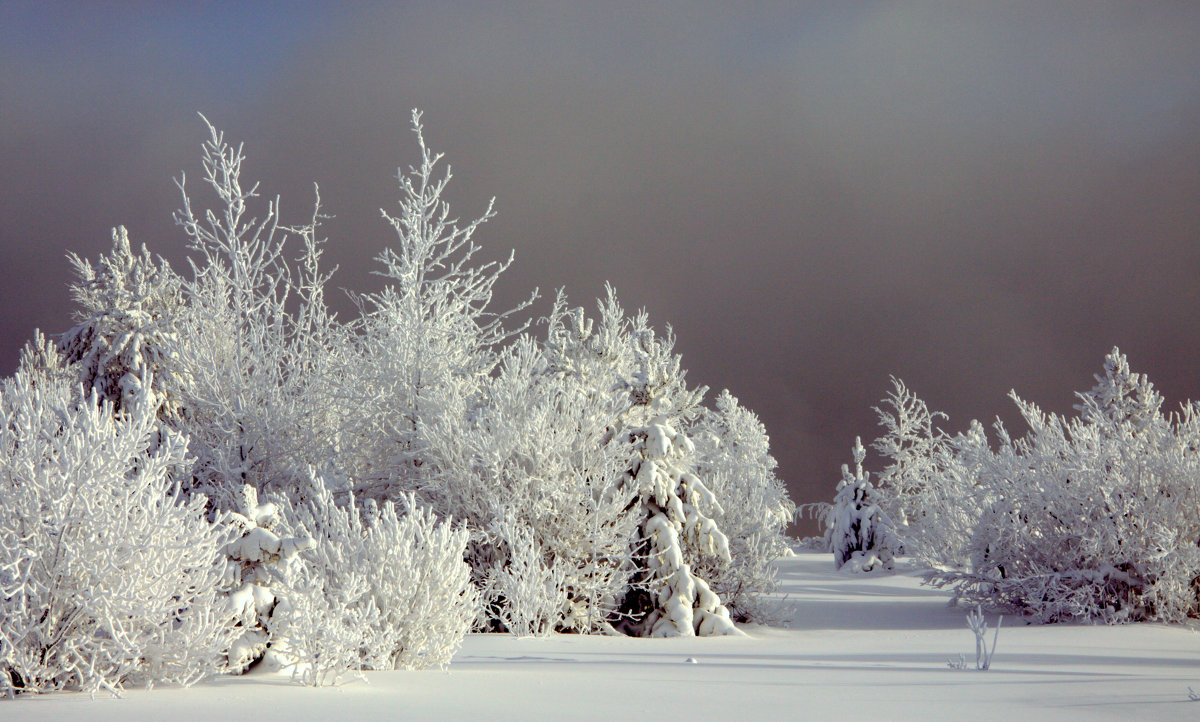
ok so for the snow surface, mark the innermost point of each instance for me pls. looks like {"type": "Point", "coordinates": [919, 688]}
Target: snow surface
{"type": "Point", "coordinates": [870, 647]}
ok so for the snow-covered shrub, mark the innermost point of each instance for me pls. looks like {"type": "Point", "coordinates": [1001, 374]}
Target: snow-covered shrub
{"type": "Point", "coordinates": [928, 485]}
{"type": "Point", "coordinates": [978, 626]}
{"type": "Point", "coordinates": [108, 575]}
{"type": "Point", "coordinates": [526, 596]}
{"type": "Point", "coordinates": [319, 629]}
{"type": "Point", "coordinates": [430, 399]}
{"type": "Point", "coordinates": [860, 534]}
{"type": "Point", "coordinates": [733, 457]}
{"type": "Point", "coordinates": [983, 655]}
{"type": "Point", "coordinates": [1089, 517]}
{"type": "Point", "coordinates": [385, 587]}
{"type": "Point", "coordinates": [536, 475]}
{"type": "Point", "coordinates": [1094, 516]}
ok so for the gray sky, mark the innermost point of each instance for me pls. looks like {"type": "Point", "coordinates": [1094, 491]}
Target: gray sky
{"type": "Point", "coordinates": [971, 196]}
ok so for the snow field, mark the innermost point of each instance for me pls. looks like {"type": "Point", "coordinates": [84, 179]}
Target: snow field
{"type": "Point", "coordinates": [871, 647]}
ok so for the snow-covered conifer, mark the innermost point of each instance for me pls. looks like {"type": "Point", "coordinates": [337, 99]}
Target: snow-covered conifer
{"type": "Point", "coordinates": [860, 534]}
{"type": "Point", "coordinates": [128, 304]}
{"type": "Point", "coordinates": [677, 510]}
{"type": "Point", "coordinates": [260, 562]}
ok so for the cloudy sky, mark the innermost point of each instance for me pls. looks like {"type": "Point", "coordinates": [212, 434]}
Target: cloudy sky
{"type": "Point", "coordinates": [974, 197]}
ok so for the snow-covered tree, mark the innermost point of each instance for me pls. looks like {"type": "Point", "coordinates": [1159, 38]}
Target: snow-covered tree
{"type": "Point", "coordinates": [647, 403]}
{"type": "Point", "coordinates": [109, 575]}
{"type": "Point", "coordinates": [128, 304]}
{"type": "Point", "coordinates": [677, 510]}
{"type": "Point", "coordinates": [260, 563]}
{"type": "Point", "coordinates": [734, 459]}
{"type": "Point", "coordinates": [429, 339]}
{"type": "Point", "coordinates": [262, 400]}
{"type": "Point", "coordinates": [860, 534]}
{"type": "Point", "coordinates": [572, 513]}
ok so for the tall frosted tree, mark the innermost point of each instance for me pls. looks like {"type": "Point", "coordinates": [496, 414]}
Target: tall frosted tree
{"type": "Point", "coordinates": [261, 400]}
{"type": "Point", "coordinates": [429, 339]}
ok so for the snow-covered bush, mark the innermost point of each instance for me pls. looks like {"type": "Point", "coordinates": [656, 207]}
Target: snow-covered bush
{"type": "Point", "coordinates": [526, 595]}
{"type": "Point", "coordinates": [108, 574]}
{"type": "Point", "coordinates": [858, 532]}
{"type": "Point", "coordinates": [1093, 516]}
{"type": "Point", "coordinates": [928, 487]}
{"type": "Point", "coordinates": [319, 629]}
{"type": "Point", "coordinates": [1088, 517]}
{"type": "Point", "coordinates": [734, 459]}
{"type": "Point", "coordinates": [429, 404]}
{"type": "Point", "coordinates": [385, 587]}
{"type": "Point", "coordinates": [535, 473]}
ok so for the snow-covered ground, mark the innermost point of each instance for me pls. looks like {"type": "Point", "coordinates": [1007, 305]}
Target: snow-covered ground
{"type": "Point", "coordinates": [862, 647]}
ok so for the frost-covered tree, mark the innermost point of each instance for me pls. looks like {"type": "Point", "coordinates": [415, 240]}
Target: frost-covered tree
{"type": "Point", "coordinates": [261, 400]}
{"type": "Point", "coordinates": [911, 443]}
{"type": "Point", "coordinates": [734, 459]}
{"type": "Point", "coordinates": [647, 404]}
{"type": "Point", "coordinates": [128, 305]}
{"type": "Point", "coordinates": [429, 339]}
{"type": "Point", "coordinates": [858, 531]}
{"type": "Point", "coordinates": [109, 575]}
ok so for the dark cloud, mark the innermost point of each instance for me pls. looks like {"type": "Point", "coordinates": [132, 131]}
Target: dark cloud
{"type": "Point", "coordinates": [813, 195]}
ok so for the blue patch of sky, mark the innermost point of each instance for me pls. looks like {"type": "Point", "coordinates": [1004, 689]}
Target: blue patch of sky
{"type": "Point", "coordinates": [222, 47]}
